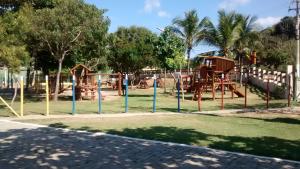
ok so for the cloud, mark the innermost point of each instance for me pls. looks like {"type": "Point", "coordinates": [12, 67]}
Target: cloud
{"type": "Point", "coordinates": [163, 14]}
{"type": "Point", "coordinates": [268, 21]}
{"type": "Point", "coordinates": [155, 6]}
{"type": "Point", "coordinates": [151, 5]}
{"type": "Point", "coordinates": [232, 4]}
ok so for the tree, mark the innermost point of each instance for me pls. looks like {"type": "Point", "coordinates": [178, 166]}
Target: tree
{"type": "Point", "coordinates": [170, 50]}
{"type": "Point", "coordinates": [13, 53]}
{"type": "Point", "coordinates": [191, 29]}
{"type": "Point", "coordinates": [15, 5]}
{"type": "Point", "coordinates": [226, 33]}
{"type": "Point", "coordinates": [132, 49]}
{"type": "Point", "coordinates": [64, 28]}
{"type": "Point", "coordinates": [285, 28]}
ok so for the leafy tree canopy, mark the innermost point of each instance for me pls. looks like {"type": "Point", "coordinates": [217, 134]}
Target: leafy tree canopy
{"type": "Point", "coordinates": [71, 29]}
{"type": "Point", "coordinates": [170, 50]}
{"type": "Point", "coordinates": [13, 52]}
{"type": "Point", "coordinates": [132, 49]}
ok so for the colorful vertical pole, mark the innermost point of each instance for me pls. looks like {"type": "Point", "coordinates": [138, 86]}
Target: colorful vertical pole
{"type": "Point", "coordinates": [73, 95]}
{"type": "Point", "coordinates": [268, 92]}
{"type": "Point", "coordinates": [199, 99]}
{"type": "Point", "coordinates": [154, 96]}
{"type": "Point", "coordinates": [99, 95]}
{"type": "Point", "coordinates": [222, 91]}
{"type": "Point", "coordinates": [47, 96]}
{"type": "Point", "coordinates": [246, 88]}
{"type": "Point", "coordinates": [22, 96]}
{"type": "Point", "coordinates": [126, 93]}
{"type": "Point", "coordinates": [289, 91]}
{"type": "Point", "coordinates": [178, 95]}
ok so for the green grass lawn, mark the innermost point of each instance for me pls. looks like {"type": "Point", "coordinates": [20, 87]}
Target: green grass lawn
{"type": "Point", "coordinates": [141, 101]}
{"type": "Point", "coordinates": [271, 135]}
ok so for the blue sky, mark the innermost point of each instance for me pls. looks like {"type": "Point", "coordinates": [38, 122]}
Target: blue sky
{"type": "Point", "coordinates": [155, 14]}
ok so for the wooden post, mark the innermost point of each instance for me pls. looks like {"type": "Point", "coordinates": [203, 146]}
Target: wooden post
{"type": "Point", "coordinates": [222, 91]}
{"type": "Point", "coordinates": [213, 87]}
{"type": "Point", "coordinates": [99, 95]}
{"type": "Point", "coordinates": [154, 95]}
{"type": "Point", "coordinates": [199, 98]}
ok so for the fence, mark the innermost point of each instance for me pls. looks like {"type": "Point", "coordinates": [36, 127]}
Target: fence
{"type": "Point", "coordinates": [279, 81]}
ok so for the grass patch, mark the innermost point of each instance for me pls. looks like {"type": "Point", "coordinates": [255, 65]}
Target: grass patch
{"type": "Point", "coordinates": [141, 101]}
{"type": "Point", "coordinates": [271, 135]}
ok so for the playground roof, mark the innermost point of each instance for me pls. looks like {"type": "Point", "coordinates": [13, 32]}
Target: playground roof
{"type": "Point", "coordinates": [80, 65]}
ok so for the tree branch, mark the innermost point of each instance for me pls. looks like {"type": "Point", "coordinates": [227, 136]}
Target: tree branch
{"type": "Point", "coordinates": [77, 36]}
{"type": "Point", "coordinates": [50, 48]}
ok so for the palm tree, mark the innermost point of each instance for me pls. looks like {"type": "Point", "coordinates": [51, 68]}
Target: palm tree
{"type": "Point", "coordinates": [247, 36]}
{"type": "Point", "coordinates": [191, 30]}
{"type": "Point", "coordinates": [247, 39]}
{"type": "Point", "coordinates": [226, 33]}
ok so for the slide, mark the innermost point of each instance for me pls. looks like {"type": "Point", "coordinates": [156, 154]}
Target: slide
{"type": "Point", "coordinates": [235, 91]}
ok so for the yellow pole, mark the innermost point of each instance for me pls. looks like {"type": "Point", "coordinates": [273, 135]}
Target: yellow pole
{"type": "Point", "coordinates": [22, 96]}
{"type": "Point", "coordinates": [47, 96]}
{"type": "Point", "coordinates": [15, 113]}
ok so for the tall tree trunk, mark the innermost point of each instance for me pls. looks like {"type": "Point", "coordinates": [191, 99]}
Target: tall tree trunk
{"type": "Point", "coordinates": [189, 56]}
{"type": "Point", "coordinates": [55, 98]}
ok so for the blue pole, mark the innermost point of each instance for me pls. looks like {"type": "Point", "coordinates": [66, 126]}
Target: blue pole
{"type": "Point", "coordinates": [73, 96]}
{"type": "Point", "coordinates": [178, 95]}
{"type": "Point", "coordinates": [126, 93]}
{"type": "Point", "coordinates": [99, 95]}
{"type": "Point", "coordinates": [154, 96]}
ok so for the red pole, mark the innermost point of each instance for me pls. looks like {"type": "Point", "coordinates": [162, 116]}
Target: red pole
{"type": "Point", "coordinates": [199, 99]}
{"type": "Point", "coordinates": [268, 93]}
{"type": "Point", "coordinates": [246, 86]}
{"type": "Point", "coordinates": [222, 89]}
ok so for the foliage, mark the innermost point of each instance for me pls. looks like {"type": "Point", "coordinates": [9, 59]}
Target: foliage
{"type": "Point", "coordinates": [226, 33]}
{"type": "Point", "coordinates": [132, 49]}
{"type": "Point", "coordinates": [277, 44]}
{"type": "Point", "coordinates": [247, 36]}
{"type": "Point", "coordinates": [170, 50]}
{"type": "Point", "coordinates": [15, 5]}
{"type": "Point", "coordinates": [65, 30]}
{"type": "Point", "coordinates": [286, 27]}
{"type": "Point", "coordinates": [13, 53]}
{"type": "Point", "coordinates": [191, 29]}
{"type": "Point", "coordinates": [275, 58]}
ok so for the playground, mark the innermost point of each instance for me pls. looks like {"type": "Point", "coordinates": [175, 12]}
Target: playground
{"type": "Point", "coordinates": [208, 106]}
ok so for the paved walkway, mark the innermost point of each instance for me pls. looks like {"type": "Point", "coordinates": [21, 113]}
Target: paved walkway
{"type": "Point", "coordinates": [32, 146]}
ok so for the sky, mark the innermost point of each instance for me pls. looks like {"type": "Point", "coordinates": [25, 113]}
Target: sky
{"type": "Point", "coordinates": [157, 14]}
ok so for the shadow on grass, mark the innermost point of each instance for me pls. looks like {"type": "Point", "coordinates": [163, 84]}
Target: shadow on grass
{"type": "Point", "coordinates": [277, 120]}
{"type": "Point", "coordinates": [265, 146]}
{"type": "Point", "coordinates": [255, 106]}
{"type": "Point", "coordinates": [58, 125]}
{"type": "Point", "coordinates": [166, 109]}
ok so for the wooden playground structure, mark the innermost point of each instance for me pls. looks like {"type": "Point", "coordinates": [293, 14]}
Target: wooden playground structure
{"type": "Point", "coordinates": [87, 83]}
{"type": "Point", "coordinates": [207, 77]}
